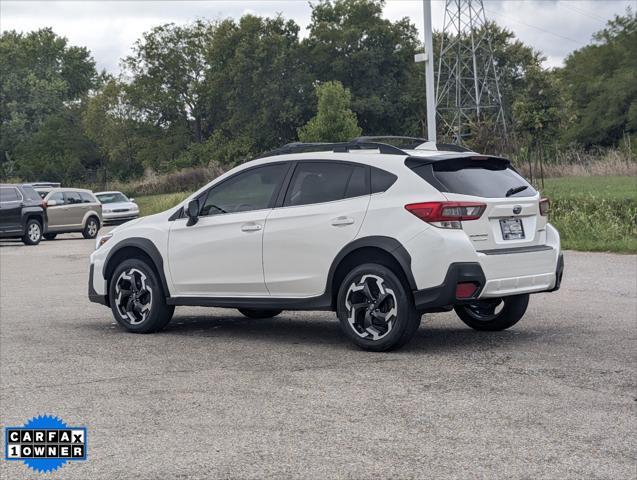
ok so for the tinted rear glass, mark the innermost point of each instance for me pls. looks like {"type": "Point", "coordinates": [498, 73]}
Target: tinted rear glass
{"type": "Point", "coordinates": [381, 180]}
{"type": "Point", "coordinates": [318, 182]}
{"type": "Point", "coordinates": [480, 178]}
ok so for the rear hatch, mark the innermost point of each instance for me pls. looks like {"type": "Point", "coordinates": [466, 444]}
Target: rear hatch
{"type": "Point", "coordinates": [511, 218]}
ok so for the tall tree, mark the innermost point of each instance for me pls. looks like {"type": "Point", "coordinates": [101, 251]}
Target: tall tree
{"type": "Point", "coordinates": [334, 120]}
{"type": "Point", "coordinates": [39, 74]}
{"type": "Point", "coordinates": [351, 42]}
{"type": "Point", "coordinates": [167, 71]}
{"type": "Point", "coordinates": [599, 80]}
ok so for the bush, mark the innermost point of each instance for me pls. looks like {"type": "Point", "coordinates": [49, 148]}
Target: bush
{"type": "Point", "coordinates": [186, 180]}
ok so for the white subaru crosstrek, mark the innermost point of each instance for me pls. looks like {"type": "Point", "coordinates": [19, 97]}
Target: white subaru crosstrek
{"type": "Point", "coordinates": [377, 233]}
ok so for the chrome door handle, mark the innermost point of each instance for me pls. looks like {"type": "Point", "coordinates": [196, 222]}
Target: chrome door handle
{"type": "Point", "coordinates": [340, 221]}
{"type": "Point", "coordinates": [251, 228]}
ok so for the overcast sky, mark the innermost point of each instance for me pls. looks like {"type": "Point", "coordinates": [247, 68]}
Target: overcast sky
{"type": "Point", "coordinates": [109, 28]}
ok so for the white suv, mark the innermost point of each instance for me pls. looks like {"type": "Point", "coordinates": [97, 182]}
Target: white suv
{"type": "Point", "coordinates": [377, 233]}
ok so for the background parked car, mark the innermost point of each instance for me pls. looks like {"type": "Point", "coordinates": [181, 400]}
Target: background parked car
{"type": "Point", "coordinates": [43, 188]}
{"type": "Point", "coordinates": [117, 207]}
{"type": "Point", "coordinates": [72, 210]}
{"type": "Point", "coordinates": [21, 213]}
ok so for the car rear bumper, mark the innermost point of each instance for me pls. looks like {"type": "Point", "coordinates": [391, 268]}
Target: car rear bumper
{"type": "Point", "coordinates": [504, 272]}
{"type": "Point", "coordinates": [443, 296]}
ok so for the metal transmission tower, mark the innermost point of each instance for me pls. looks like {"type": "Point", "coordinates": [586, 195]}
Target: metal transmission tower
{"type": "Point", "coordinates": [467, 91]}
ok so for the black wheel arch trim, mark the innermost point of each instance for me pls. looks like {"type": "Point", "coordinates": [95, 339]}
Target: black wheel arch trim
{"type": "Point", "coordinates": [93, 296]}
{"type": "Point", "coordinates": [441, 297]}
{"type": "Point", "coordinates": [149, 248]}
{"type": "Point", "coordinates": [388, 244]}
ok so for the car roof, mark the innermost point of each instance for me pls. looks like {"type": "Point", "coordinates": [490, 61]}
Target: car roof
{"type": "Point", "coordinates": [66, 189]}
{"type": "Point", "coordinates": [107, 193]}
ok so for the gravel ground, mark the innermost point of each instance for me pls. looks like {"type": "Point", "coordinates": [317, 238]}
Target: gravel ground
{"type": "Point", "coordinates": [219, 396]}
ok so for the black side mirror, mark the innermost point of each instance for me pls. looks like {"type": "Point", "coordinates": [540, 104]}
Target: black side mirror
{"type": "Point", "coordinates": [192, 210]}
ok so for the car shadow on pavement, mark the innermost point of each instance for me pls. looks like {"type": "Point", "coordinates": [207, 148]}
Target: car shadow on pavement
{"type": "Point", "coordinates": [323, 329]}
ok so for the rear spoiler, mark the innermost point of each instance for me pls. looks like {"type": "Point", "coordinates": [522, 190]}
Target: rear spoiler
{"type": "Point", "coordinates": [456, 159]}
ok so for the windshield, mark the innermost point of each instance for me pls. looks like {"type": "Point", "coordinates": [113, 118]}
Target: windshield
{"type": "Point", "coordinates": [112, 197]}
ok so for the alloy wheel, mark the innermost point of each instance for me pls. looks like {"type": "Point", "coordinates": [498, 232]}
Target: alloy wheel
{"type": "Point", "coordinates": [34, 232]}
{"type": "Point", "coordinates": [92, 228]}
{"type": "Point", "coordinates": [133, 296]}
{"type": "Point", "coordinates": [372, 308]}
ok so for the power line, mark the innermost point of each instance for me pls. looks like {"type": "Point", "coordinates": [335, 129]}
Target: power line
{"type": "Point", "coordinates": [492, 13]}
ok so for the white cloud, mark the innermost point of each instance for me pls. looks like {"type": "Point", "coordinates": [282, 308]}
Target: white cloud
{"type": "Point", "coordinates": [110, 28]}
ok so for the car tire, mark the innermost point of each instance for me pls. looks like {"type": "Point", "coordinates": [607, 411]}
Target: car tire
{"type": "Point", "coordinates": [50, 236]}
{"type": "Point", "coordinates": [91, 228]}
{"type": "Point", "coordinates": [32, 233]}
{"type": "Point", "coordinates": [140, 307]}
{"type": "Point", "coordinates": [257, 313]}
{"type": "Point", "coordinates": [376, 309]}
{"type": "Point", "coordinates": [485, 316]}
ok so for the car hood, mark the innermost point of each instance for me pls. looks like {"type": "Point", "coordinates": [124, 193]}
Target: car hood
{"type": "Point", "coordinates": [118, 205]}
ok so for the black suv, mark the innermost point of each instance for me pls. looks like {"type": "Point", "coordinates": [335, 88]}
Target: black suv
{"type": "Point", "coordinates": [21, 213]}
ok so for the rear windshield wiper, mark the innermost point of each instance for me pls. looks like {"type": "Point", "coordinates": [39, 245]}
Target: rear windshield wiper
{"type": "Point", "coordinates": [514, 190]}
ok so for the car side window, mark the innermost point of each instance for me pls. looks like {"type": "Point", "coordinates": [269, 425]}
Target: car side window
{"type": "Point", "coordinates": [72, 198]}
{"type": "Point", "coordinates": [382, 180]}
{"type": "Point", "coordinates": [319, 182]}
{"type": "Point", "coordinates": [358, 183]}
{"type": "Point", "coordinates": [87, 198]}
{"type": "Point", "coordinates": [58, 197]}
{"type": "Point", "coordinates": [9, 194]}
{"type": "Point", "coordinates": [254, 189]}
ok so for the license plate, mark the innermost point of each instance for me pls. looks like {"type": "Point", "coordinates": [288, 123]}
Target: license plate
{"type": "Point", "coordinates": [512, 228]}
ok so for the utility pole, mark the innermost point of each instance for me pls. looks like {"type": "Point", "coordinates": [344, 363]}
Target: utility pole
{"type": "Point", "coordinates": [428, 58]}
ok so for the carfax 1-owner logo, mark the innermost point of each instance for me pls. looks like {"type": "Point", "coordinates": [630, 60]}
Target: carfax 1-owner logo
{"type": "Point", "coordinates": [45, 443]}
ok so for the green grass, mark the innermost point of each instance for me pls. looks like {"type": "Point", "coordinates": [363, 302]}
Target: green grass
{"type": "Point", "coordinates": [150, 204]}
{"type": "Point", "coordinates": [592, 213]}
{"type": "Point", "coordinates": [608, 188]}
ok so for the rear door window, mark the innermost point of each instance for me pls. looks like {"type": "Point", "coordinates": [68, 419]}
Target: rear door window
{"type": "Point", "coordinates": [489, 178]}
{"type": "Point", "coordinates": [72, 198]}
{"type": "Point", "coordinates": [9, 194]}
{"type": "Point", "coordinates": [320, 182]}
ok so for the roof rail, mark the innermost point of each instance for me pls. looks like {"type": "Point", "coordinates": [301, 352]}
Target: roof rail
{"type": "Point", "coordinates": [409, 142]}
{"type": "Point", "coordinates": [341, 147]}
{"type": "Point", "coordinates": [412, 142]}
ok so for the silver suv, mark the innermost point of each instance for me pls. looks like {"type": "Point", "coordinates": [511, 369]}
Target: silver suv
{"type": "Point", "coordinates": [72, 210]}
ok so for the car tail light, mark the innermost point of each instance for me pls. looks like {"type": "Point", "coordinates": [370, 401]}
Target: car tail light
{"type": "Point", "coordinates": [545, 203]}
{"type": "Point", "coordinates": [447, 214]}
{"type": "Point", "coordinates": [466, 289]}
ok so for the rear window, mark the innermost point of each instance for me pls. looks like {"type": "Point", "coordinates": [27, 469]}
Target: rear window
{"type": "Point", "coordinates": [490, 178]}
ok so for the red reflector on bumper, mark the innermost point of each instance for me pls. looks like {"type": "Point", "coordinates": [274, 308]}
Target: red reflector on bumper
{"type": "Point", "coordinates": [466, 289]}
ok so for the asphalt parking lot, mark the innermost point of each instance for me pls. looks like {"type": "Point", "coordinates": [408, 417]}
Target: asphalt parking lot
{"type": "Point", "coordinates": [219, 396]}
